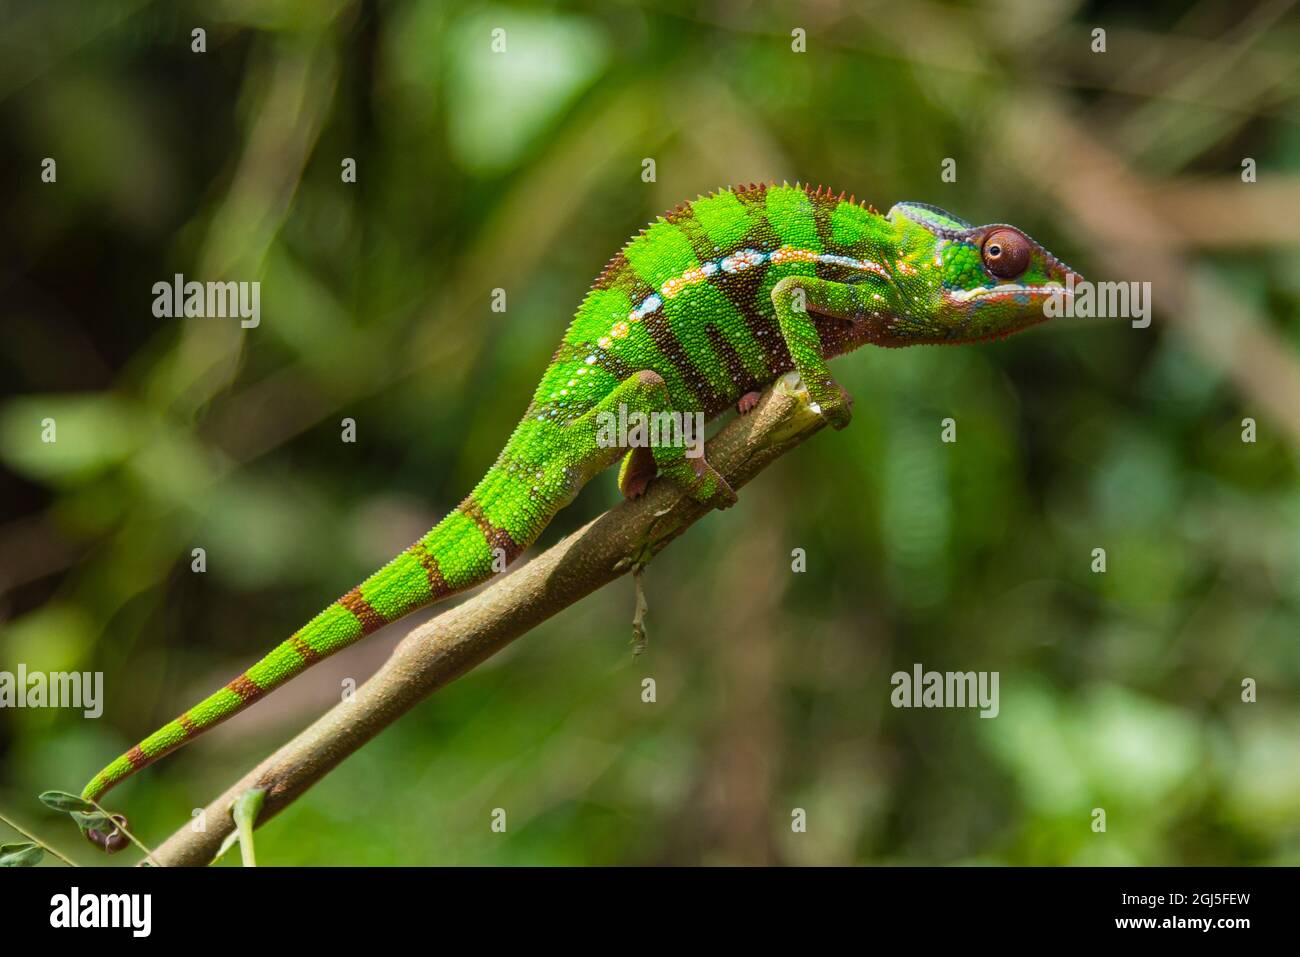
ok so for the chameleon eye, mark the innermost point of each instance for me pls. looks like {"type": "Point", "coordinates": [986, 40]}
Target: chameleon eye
{"type": "Point", "coordinates": [1006, 253]}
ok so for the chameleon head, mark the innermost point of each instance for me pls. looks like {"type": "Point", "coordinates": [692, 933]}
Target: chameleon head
{"type": "Point", "coordinates": [982, 282]}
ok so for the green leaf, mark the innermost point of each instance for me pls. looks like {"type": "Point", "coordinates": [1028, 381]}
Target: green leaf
{"type": "Point", "coordinates": [63, 801]}
{"type": "Point", "coordinates": [68, 438]}
{"type": "Point", "coordinates": [25, 854]}
{"type": "Point", "coordinates": [552, 58]}
{"type": "Point", "coordinates": [245, 810]}
{"type": "Point", "coordinates": [92, 821]}
{"type": "Point", "coordinates": [229, 841]}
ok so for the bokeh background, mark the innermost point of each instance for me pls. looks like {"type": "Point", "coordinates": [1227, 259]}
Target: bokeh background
{"type": "Point", "coordinates": [522, 171]}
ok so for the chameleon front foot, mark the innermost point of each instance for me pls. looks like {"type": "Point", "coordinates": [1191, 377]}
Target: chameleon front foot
{"type": "Point", "coordinates": [747, 402]}
{"type": "Point", "coordinates": [835, 405]}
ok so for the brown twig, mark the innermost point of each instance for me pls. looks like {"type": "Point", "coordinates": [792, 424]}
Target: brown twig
{"type": "Point", "coordinates": [438, 651]}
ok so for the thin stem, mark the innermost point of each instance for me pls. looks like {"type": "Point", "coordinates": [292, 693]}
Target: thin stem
{"type": "Point", "coordinates": [36, 840]}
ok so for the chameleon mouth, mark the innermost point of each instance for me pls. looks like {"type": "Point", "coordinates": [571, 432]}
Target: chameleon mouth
{"type": "Point", "coordinates": [984, 293]}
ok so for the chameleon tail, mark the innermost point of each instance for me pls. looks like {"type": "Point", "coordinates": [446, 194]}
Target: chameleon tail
{"type": "Point", "coordinates": [484, 533]}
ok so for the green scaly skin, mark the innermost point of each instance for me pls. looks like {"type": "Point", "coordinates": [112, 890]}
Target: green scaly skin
{"type": "Point", "coordinates": [747, 284]}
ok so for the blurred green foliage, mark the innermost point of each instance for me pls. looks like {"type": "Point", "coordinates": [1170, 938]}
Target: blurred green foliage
{"type": "Point", "coordinates": [522, 170]}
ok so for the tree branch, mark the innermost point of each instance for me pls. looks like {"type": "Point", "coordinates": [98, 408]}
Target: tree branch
{"type": "Point", "coordinates": [454, 642]}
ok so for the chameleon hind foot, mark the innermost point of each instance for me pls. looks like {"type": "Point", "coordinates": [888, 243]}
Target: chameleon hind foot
{"type": "Point", "coordinates": [702, 482]}
{"type": "Point", "coordinates": [695, 476]}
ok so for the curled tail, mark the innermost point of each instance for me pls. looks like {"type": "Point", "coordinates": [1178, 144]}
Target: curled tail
{"type": "Point", "coordinates": [485, 532]}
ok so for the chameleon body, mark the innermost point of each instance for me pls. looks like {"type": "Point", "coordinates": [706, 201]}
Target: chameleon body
{"type": "Point", "coordinates": [698, 312]}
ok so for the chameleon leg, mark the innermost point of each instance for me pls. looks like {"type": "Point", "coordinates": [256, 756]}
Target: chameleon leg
{"type": "Point", "coordinates": [795, 299]}
{"type": "Point", "coordinates": [635, 473]}
{"type": "Point", "coordinates": [644, 392]}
